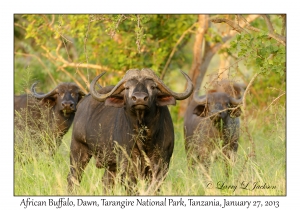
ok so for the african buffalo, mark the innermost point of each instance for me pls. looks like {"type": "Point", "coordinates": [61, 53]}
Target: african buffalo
{"type": "Point", "coordinates": [127, 128]}
{"type": "Point", "coordinates": [48, 114]}
{"type": "Point", "coordinates": [212, 120]}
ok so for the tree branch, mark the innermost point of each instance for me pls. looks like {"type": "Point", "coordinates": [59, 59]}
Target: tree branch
{"type": "Point", "coordinates": [41, 62]}
{"type": "Point", "coordinates": [52, 21]}
{"type": "Point", "coordinates": [76, 65]}
{"type": "Point", "coordinates": [210, 50]}
{"type": "Point", "coordinates": [19, 25]}
{"type": "Point", "coordinates": [200, 53]}
{"type": "Point", "coordinates": [235, 26]}
{"type": "Point", "coordinates": [83, 77]}
{"type": "Point", "coordinates": [65, 64]}
{"type": "Point", "coordinates": [174, 49]}
{"type": "Point", "coordinates": [138, 34]}
{"type": "Point", "coordinates": [276, 99]}
{"type": "Point", "coordinates": [85, 52]}
{"type": "Point", "coordinates": [277, 37]}
{"type": "Point", "coordinates": [73, 78]}
{"type": "Point", "coordinates": [112, 33]}
{"type": "Point", "coordinates": [247, 90]}
{"type": "Point", "coordinates": [269, 24]}
{"type": "Point", "coordinates": [241, 28]}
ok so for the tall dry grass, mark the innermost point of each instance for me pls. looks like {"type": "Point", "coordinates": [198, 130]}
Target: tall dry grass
{"type": "Point", "coordinates": [261, 160]}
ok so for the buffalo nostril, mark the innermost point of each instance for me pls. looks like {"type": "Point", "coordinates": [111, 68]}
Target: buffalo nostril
{"type": "Point", "coordinates": [139, 97]}
{"type": "Point", "coordinates": [67, 104]}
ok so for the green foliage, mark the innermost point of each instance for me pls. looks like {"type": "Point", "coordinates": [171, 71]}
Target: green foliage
{"type": "Point", "coordinates": [120, 42]}
{"type": "Point", "coordinates": [259, 51]}
{"type": "Point", "coordinates": [115, 42]}
{"type": "Point", "coordinates": [213, 36]}
{"type": "Point", "coordinates": [265, 89]}
{"type": "Point", "coordinates": [262, 54]}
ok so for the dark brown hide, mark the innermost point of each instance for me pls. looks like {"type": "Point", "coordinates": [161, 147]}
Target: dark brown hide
{"type": "Point", "coordinates": [210, 122]}
{"type": "Point", "coordinates": [52, 112]}
{"type": "Point", "coordinates": [127, 128]}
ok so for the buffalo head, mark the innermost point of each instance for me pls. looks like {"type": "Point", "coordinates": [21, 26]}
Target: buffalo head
{"type": "Point", "coordinates": [139, 91]}
{"type": "Point", "coordinates": [220, 103]}
{"type": "Point", "coordinates": [46, 116]}
{"type": "Point", "coordinates": [64, 97]}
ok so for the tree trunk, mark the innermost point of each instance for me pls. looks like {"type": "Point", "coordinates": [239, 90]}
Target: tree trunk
{"type": "Point", "coordinates": [198, 54]}
{"type": "Point", "coordinates": [204, 52]}
{"type": "Point", "coordinates": [198, 47]}
{"type": "Point", "coordinates": [223, 67]}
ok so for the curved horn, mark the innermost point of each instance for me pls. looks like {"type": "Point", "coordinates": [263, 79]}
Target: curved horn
{"type": "Point", "coordinates": [101, 97]}
{"type": "Point", "coordinates": [236, 101]}
{"type": "Point", "coordinates": [41, 96]}
{"type": "Point", "coordinates": [242, 86]}
{"type": "Point", "coordinates": [177, 96]}
{"type": "Point", "coordinates": [199, 100]}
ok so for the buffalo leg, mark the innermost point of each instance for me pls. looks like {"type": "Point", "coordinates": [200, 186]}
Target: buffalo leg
{"type": "Point", "coordinates": [79, 158]}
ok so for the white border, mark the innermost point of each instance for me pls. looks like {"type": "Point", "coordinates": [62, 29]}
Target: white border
{"type": "Point", "coordinates": [9, 8]}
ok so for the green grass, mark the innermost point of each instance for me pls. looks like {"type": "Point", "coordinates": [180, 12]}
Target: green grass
{"type": "Point", "coordinates": [46, 175]}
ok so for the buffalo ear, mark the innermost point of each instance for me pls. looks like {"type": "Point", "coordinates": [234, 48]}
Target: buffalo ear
{"type": "Point", "coordinates": [80, 95]}
{"type": "Point", "coordinates": [164, 100]}
{"type": "Point", "coordinates": [115, 101]}
{"type": "Point", "coordinates": [200, 110]}
{"type": "Point", "coordinates": [212, 91]}
{"type": "Point", "coordinates": [49, 101]}
{"type": "Point", "coordinates": [236, 112]}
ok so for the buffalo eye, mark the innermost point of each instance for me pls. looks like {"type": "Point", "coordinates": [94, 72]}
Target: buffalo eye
{"type": "Point", "coordinates": [152, 87]}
